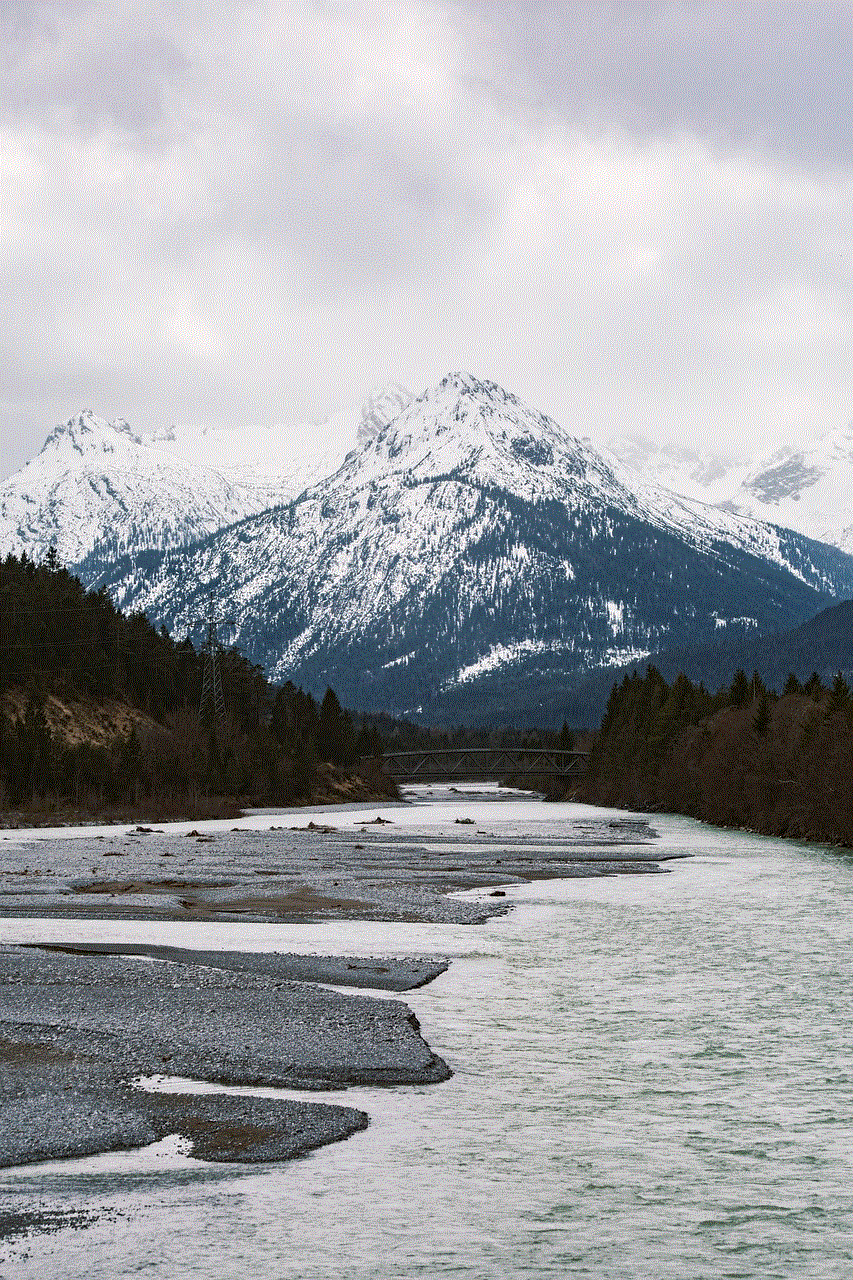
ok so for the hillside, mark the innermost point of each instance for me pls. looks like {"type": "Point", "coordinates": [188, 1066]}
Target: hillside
{"type": "Point", "coordinates": [823, 645]}
{"type": "Point", "coordinates": [102, 714]}
{"type": "Point", "coordinates": [780, 765]}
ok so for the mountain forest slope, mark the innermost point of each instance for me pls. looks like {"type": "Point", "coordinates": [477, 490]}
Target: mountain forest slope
{"type": "Point", "coordinates": [101, 713]}
{"type": "Point", "coordinates": [822, 646]}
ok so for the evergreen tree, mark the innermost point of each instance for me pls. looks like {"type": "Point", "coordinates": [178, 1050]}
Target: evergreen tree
{"type": "Point", "coordinates": [330, 734]}
{"type": "Point", "coordinates": [813, 687]}
{"type": "Point", "coordinates": [761, 719]}
{"type": "Point", "coordinates": [740, 691]}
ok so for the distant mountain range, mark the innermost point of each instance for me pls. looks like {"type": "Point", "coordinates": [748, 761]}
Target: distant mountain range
{"type": "Point", "coordinates": [823, 644]}
{"type": "Point", "coordinates": [456, 556]}
{"type": "Point", "coordinates": [807, 487]}
{"type": "Point", "coordinates": [471, 554]}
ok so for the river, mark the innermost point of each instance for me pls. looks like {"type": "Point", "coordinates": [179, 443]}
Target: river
{"type": "Point", "coordinates": [653, 1078]}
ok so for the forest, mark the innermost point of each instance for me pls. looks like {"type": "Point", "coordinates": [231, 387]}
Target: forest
{"type": "Point", "coordinates": [100, 712]}
{"type": "Point", "coordinates": [746, 756]}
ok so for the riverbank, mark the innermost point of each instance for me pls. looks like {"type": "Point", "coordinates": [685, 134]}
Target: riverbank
{"type": "Point", "coordinates": [746, 759]}
{"type": "Point", "coordinates": [81, 1021]}
{"type": "Point", "coordinates": [332, 786]}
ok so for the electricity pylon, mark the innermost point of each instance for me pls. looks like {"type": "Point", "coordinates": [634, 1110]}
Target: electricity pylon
{"type": "Point", "coordinates": [212, 706]}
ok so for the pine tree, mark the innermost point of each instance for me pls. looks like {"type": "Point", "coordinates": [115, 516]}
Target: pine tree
{"type": "Point", "coordinates": [330, 733]}
{"type": "Point", "coordinates": [813, 687]}
{"type": "Point", "coordinates": [740, 691]}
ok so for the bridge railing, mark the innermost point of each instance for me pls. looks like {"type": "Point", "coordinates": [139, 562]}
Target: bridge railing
{"type": "Point", "coordinates": [484, 762]}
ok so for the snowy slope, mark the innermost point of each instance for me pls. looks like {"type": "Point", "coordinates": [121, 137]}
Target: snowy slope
{"type": "Point", "coordinates": [97, 481]}
{"type": "Point", "coordinates": [805, 487]}
{"type": "Point", "coordinates": [264, 464]}
{"type": "Point", "coordinates": [381, 407]}
{"type": "Point", "coordinates": [99, 488]}
{"type": "Point", "coordinates": [473, 544]}
{"type": "Point", "coordinates": [706, 476]}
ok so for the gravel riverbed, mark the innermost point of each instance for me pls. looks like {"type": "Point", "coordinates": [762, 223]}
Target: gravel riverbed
{"type": "Point", "coordinates": [80, 1022]}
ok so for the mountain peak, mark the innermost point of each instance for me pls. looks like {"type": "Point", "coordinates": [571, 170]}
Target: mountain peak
{"type": "Point", "coordinates": [86, 431]}
{"type": "Point", "coordinates": [459, 381]}
{"type": "Point", "coordinates": [381, 407]}
{"type": "Point", "coordinates": [466, 384]}
{"type": "Point", "coordinates": [472, 431]}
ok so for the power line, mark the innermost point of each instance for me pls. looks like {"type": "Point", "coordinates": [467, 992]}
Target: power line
{"type": "Point", "coordinates": [212, 704]}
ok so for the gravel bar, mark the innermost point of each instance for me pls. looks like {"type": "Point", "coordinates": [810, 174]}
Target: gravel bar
{"type": "Point", "coordinates": [79, 1022]}
{"type": "Point", "coordinates": [308, 874]}
{"type": "Point", "coordinates": [76, 1029]}
{"type": "Point", "coordinates": [394, 974]}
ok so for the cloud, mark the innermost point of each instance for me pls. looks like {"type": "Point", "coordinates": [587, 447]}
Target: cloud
{"type": "Point", "coordinates": [253, 214]}
{"type": "Point", "coordinates": [764, 76]}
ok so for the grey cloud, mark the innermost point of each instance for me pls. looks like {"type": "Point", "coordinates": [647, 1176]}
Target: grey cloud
{"type": "Point", "coordinates": [88, 67]}
{"type": "Point", "coordinates": [212, 219]}
{"type": "Point", "coordinates": [770, 75]}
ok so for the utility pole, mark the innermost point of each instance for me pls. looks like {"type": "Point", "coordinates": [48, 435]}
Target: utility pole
{"type": "Point", "coordinates": [212, 706]}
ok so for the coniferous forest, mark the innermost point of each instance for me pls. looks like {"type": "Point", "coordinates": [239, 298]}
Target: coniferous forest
{"type": "Point", "coordinates": [778, 763]}
{"type": "Point", "coordinates": [100, 712]}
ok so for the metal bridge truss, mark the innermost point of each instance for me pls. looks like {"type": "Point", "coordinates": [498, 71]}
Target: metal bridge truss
{"type": "Point", "coordinates": [482, 763]}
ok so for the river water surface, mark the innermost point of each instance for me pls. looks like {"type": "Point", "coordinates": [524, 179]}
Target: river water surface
{"type": "Point", "coordinates": [653, 1078]}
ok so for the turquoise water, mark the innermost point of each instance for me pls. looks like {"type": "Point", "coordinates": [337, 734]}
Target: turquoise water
{"type": "Point", "coordinates": [654, 1078]}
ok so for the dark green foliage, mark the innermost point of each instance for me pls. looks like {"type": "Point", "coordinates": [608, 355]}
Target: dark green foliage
{"type": "Point", "coordinates": [761, 719]}
{"type": "Point", "coordinates": [330, 730]}
{"type": "Point", "coordinates": [813, 687]}
{"type": "Point", "coordinates": [740, 692]}
{"type": "Point", "coordinates": [839, 699]}
{"type": "Point", "coordinates": [60, 641]}
{"type": "Point", "coordinates": [742, 758]}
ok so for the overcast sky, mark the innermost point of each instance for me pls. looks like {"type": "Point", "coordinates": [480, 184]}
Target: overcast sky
{"type": "Point", "coordinates": [635, 216]}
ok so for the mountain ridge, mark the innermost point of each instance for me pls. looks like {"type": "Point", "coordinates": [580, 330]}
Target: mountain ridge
{"type": "Point", "coordinates": [474, 541]}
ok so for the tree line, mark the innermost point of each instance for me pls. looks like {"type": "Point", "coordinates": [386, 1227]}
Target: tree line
{"type": "Point", "coordinates": [746, 756]}
{"type": "Point", "coordinates": [63, 648]}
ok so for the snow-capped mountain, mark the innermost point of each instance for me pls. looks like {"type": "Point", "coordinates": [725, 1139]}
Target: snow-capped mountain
{"type": "Point", "coordinates": [380, 408]}
{"type": "Point", "coordinates": [807, 487]}
{"type": "Point", "coordinates": [699, 474]}
{"type": "Point", "coordinates": [473, 550]}
{"type": "Point", "coordinates": [97, 483]}
{"type": "Point", "coordinates": [804, 487]}
{"type": "Point", "coordinates": [99, 489]}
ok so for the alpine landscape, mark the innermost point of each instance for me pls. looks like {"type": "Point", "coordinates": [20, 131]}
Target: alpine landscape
{"type": "Point", "coordinates": [468, 561]}
{"type": "Point", "coordinates": [426, 811]}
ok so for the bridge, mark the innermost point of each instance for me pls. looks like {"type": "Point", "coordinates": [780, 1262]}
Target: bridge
{"type": "Point", "coordinates": [484, 763]}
